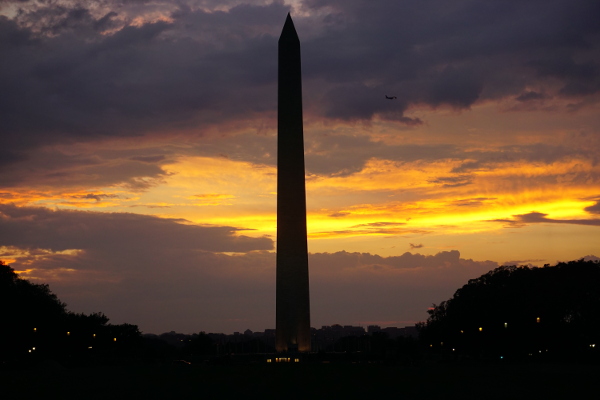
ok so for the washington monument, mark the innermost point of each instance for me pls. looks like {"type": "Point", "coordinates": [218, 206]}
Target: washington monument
{"type": "Point", "coordinates": [293, 308]}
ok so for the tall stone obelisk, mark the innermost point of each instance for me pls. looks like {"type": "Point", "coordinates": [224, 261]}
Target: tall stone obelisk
{"type": "Point", "coordinates": [293, 306]}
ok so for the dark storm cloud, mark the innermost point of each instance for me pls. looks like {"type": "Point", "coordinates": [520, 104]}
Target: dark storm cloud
{"type": "Point", "coordinates": [327, 261]}
{"type": "Point", "coordinates": [595, 209]}
{"type": "Point", "coordinates": [119, 233]}
{"type": "Point", "coordinates": [81, 71]}
{"type": "Point", "coordinates": [77, 84]}
{"type": "Point", "coordinates": [458, 88]}
{"type": "Point", "coordinates": [339, 214]}
{"type": "Point", "coordinates": [452, 181]}
{"type": "Point", "coordinates": [51, 167]}
{"type": "Point", "coordinates": [532, 153]}
{"type": "Point", "coordinates": [580, 78]}
{"type": "Point", "coordinates": [94, 196]}
{"type": "Point", "coordinates": [344, 154]}
{"type": "Point", "coordinates": [453, 54]}
{"type": "Point", "coordinates": [473, 202]}
{"type": "Point", "coordinates": [537, 218]}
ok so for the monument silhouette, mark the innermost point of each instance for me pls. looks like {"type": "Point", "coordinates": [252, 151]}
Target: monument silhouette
{"type": "Point", "coordinates": [293, 305]}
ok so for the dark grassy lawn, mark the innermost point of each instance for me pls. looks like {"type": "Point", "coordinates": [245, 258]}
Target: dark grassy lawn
{"type": "Point", "coordinates": [304, 381]}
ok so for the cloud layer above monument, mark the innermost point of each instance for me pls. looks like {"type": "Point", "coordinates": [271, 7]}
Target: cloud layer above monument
{"type": "Point", "coordinates": [140, 130]}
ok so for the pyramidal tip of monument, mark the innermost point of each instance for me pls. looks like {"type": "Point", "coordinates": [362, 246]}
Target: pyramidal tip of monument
{"type": "Point", "coordinates": [288, 31]}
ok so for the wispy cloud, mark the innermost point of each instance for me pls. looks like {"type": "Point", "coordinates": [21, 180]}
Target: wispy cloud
{"type": "Point", "coordinates": [538, 218]}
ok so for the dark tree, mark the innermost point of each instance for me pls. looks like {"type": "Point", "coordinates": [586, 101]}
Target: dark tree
{"type": "Point", "coordinates": [26, 311]}
{"type": "Point", "coordinates": [549, 312]}
{"type": "Point", "coordinates": [36, 325]}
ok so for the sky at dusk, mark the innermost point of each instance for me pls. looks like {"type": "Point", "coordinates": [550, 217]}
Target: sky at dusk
{"type": "Point", "coordinates": [138, 152]}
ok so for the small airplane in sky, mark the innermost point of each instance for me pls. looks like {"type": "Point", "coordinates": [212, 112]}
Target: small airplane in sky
{"type": "Point", "coordinates": [390, 97]}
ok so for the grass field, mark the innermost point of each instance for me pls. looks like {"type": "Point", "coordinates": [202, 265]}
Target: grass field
{"type": "Point", "coordinates": [305, 381]}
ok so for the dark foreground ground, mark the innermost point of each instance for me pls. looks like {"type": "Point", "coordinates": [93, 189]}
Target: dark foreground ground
{"type": "Point", "coordinates": [304, 381]}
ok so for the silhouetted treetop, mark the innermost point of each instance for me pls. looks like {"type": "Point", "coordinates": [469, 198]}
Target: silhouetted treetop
{"type": "Point", "coordinates": [26, 303]}
{"type": "Point", "coordinates": [36, 324]}
{"type": "Point", "coordinates": [554, 306]}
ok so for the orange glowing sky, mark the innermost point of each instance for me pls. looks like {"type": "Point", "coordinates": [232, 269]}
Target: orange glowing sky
{"type": "Point", "coordinates": [141, 170]}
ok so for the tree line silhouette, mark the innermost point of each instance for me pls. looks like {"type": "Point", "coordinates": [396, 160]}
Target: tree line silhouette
{"type": "Point", "coordinates": [37, 325]}
{"type": "Point", "coordinates": [549, 313]}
